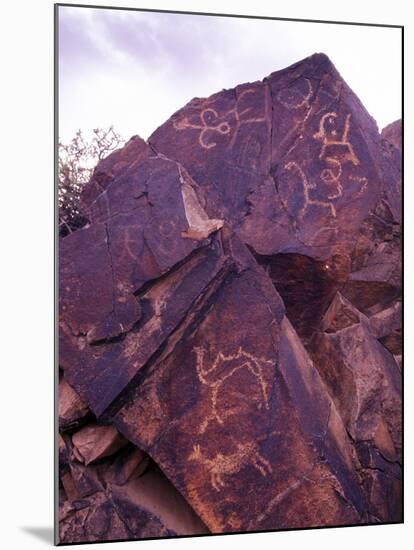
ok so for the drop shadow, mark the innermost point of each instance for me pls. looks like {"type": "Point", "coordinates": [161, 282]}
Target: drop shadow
{"type": "Point", "coordinates": [44, 534]}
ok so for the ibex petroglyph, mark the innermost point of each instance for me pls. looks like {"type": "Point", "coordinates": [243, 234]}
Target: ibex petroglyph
{"type": "Point", "coordinates": [221, 464]}
{"type": "Point", "coordinates": [221, 369]}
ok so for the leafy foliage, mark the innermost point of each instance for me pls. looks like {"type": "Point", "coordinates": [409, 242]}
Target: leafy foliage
{"type": "Point", "coordinates": [76, 163]}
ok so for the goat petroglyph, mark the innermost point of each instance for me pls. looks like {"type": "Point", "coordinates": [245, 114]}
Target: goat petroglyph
{"type": "Point", "coordinates": [229, 464]}
{"type": "Point", "coordinates": [328, 135]}
{"type": "Point", "coordinates": [215, 375]}
{"type": "Point", "coordinates": [307, 186]}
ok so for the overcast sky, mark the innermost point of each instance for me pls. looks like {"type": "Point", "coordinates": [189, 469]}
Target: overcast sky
{"type": "Point", "coordinates": [134, 69]}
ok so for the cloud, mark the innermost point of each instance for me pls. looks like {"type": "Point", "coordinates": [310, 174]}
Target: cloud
{"type": "Point", "coordinates": [134, 69]}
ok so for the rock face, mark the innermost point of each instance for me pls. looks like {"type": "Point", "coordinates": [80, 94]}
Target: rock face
{"type": "Point", "coordinates": [230, 321]}
{"type": "Point", "coordinates": [293, 162]}
{"type": "Point", "coordinates": [393, 133]}
{"type": "Point", "coordinates": [119, 500]}
{"type": "Point", "coordinates": [366, 388]}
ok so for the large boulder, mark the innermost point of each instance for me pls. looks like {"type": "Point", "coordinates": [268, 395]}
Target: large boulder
{"type": "Point", "coordinates": [239, 418]}
{"type": "Point", "coordinates": [393, 133]}
{"type": "Point", "coordinates": [365, 384]}
{"type": "Point", "coordinates": [230, 320]}
{"type": "Point", "coordinates": [293, 162]}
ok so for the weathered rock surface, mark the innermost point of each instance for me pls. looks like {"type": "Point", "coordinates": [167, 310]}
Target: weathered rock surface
{"type": "Point", "coordinates": [119, 163]}
{"type": "Point", "coordinates": [221, 436]}
{"type": "Point", "coordinates": [141, 228]}
{"type": "Point", "coordinates": [72, 410]}
{"type": "Point", "coordinates": [364, 381]}
{"type": "Point", "coordinates": [293, 163]}
{"type": "Point", "coordinates": [96, 441]}
{"type": "Point", "coordinates": [230, 320]}
{"type": "Point", "coordinates": [118, 501]}
{"type": "Point", "coordinates": [393, 133]}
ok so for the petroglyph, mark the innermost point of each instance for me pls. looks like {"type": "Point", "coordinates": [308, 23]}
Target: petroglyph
{"type": "Point", "coordinates": [280, 497]}
{"type": "Point", "coordinates": [330, 94]}
{"type": "Point", "coordinates": [332, 234]}
{"type": "Point", "coordinates": [207, 118]}
{"type": "Point", "coordinates": [211, 122]}
{"type": "Point", "coordinates": [167, 243]}
{"type": "Point", "coordinates": [293, 98]}
{"type": "Point", "coordinates": [329, 176]}
{"type": "Point", "coordinates": [221, 464]}
{"type": "Point", "coordinates": [167, 228]}
{"type": "Point", "coordinates": [221, 369]}
{"type": "Point", "coordinates": [240, 114]}
{"type": "Point", "coordinates": [329, 137]}
{"type": "Point", "coordinates": [127, 251]}
{"type": "Point", "coordinates": [363, 181]}
{"type": "Point", "coordinates": [307, 186]}
{"type": "Point", "coordinates": [333, 175]}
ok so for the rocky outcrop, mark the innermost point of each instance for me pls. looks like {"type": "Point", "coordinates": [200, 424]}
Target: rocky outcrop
{"type": "Point", "coordinates": [221, 437]}
{"type": "Point", "coordinates": [365, 384]}
{"type": "Point", "coordinates": [230, 321]}
{"type": "Point", "coordinates": [393, 133]}
{"type": "Point", "coordinates": [292, 162]}
{"type": "Point", "coordinates": [121, 498]}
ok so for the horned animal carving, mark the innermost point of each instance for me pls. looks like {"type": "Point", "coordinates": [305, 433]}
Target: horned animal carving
{"type": "Point", "coordinates": [221, 464]}
{"type": "Point", "coordinates": [328, 135]}
{"type": "Point", "coordinates": [221, 369]}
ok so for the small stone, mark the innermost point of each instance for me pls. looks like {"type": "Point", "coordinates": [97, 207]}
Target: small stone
{"type": "Point", "coordinates": [96, 441]}
{"type": "Point", "coordinates": [71, 407]}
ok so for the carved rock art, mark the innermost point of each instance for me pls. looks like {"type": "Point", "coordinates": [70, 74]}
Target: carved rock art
{"type": "Point", "coordinates": [230, 320]}
{"type": "Point", "coordinates": [329, 137]}
{"type": "Point", "coordinates": [293, 98]}
{"type": "Point", "coordinates": [215, 375]}
{"type": "Point", "coordinates": [275, 129]}
{"type": "Point", "coordinates": [227, 433]}
{"type": "Point", "coordinates": [293, 166]}
{"type": "Point", "coordinates": [220, 465]}
{"type": "Point", "coordinates": [210, 123]}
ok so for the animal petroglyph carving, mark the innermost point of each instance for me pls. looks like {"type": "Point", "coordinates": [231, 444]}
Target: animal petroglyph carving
{"type": "Point", "coordinates": [221, 464]}
{"type": "Point", "coordinates": [221, 369]}
{"type": "Point", "coordinates": [329, 137]}
{"type": "Point", "coordinates": [293, 98]}
{"type": "Point", "coordinates": [329, 176]}
{"type": "Point", "coordinates": [240, 116]}
{"type": "Point", "coordinates": [307, 186]}
{"type": "Point", "coordinates": [211, 122]}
